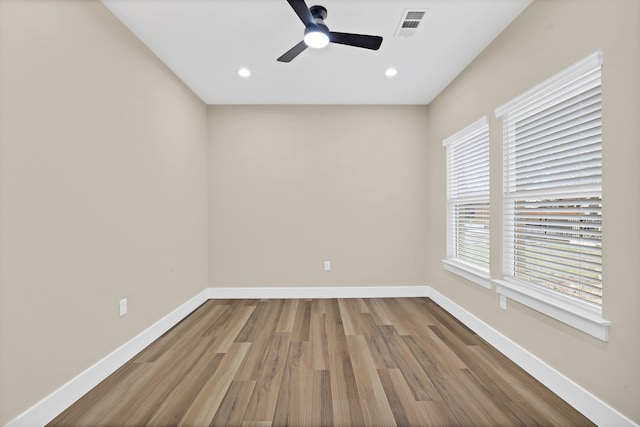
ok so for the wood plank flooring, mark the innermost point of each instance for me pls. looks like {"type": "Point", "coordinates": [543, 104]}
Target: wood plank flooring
{"type": "Point", "coordinates": [321, 362]}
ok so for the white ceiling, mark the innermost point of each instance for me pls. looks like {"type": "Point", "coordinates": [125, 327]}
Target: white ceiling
{"type": "Point", "coordinates": [205, 42]}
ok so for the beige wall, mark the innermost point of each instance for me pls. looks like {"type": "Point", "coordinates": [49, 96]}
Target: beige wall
{"type": "Point", "coordinates": [102, 193]}
{"type": "Point", "coordinates": [292, 186]}
{"type": "Point", "coordinates": [548, 37]}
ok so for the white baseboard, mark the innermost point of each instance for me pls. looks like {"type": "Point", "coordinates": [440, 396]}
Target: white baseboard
{"type": "Point", "coordinates": [319, 292]}
{"type": "Point", "coordinates": [54, 404]}
{"type": "Point", "coordinates": [575, 395]}
{"type": "Point", "coordinates": [593, 408]}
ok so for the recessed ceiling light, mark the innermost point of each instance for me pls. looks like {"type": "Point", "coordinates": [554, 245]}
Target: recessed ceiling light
{"type": "Point", "coordinates": [391, 72]}
{"type": "Point", "coordinates": [244, 72]}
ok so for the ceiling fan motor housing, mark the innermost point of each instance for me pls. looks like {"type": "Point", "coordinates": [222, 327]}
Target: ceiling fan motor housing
{"type": "Point", "coordinates": [317, 35]}
{"type": "Point", "coordinates": [317, 28]}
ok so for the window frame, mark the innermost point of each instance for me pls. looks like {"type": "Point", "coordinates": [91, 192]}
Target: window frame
{"type": "Point", "coordinates": [470, 271]}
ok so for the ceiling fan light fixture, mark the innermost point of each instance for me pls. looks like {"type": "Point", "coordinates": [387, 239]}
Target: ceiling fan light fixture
{"type": "Point", "coordinates": [316, 37]}
{"type": "Point", "coordinates": [317, 34]}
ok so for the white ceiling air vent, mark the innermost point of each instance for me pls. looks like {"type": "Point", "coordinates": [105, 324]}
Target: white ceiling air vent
{"type": "Point", "coordinates": [410, 22]}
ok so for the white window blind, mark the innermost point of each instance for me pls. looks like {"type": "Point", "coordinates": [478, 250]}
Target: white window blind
{"type": "Point", "coordinates": [552, 186]}
{"type": "Point", "coordinates": [468, 196]}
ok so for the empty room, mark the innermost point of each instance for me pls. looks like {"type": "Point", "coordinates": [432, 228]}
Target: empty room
{"type": "Point", "coordinates": [349, 213]}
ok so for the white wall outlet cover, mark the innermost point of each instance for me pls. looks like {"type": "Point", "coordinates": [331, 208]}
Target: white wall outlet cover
{"type": "Point", "coordinates": [123, 307]}
{"type": "Point", "coordinates": [327, 265]}
{"type": "Point", "coordinates": [503, 302]}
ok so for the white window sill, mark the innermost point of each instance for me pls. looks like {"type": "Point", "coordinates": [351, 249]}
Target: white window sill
{"type": "Point", "coordinates": [468, 271]}
{"type": "Point", "coordinates": [565, 309]}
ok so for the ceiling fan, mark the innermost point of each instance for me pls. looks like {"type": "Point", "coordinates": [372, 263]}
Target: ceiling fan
{"type": "Point", "coordinates": [317, 35]}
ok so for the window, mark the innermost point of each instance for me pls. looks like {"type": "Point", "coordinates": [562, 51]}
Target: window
{"type": "Point", "coordinates": [553, 197]}
{"type": "Point", "coordinates": [468, 203]}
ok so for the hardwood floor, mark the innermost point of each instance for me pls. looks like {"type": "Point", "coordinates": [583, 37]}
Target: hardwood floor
{"type": "Point", "coordinates": [321, 362]}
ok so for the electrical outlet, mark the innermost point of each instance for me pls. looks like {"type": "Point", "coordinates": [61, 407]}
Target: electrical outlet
{"type": "Point", "coordinates": [123, 307]}
{"type": "Point", "coordinates": [503, 302]}
{"type": "Point", "coordinates": [327, 266]}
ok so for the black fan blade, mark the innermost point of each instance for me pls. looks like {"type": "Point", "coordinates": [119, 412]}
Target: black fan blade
{"type": "Point", "coordinates": [303, 12]}
{"type": "Point", "coordinates": [293, 52]}
{"type": "Point", "coordinates": [357, 40]}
